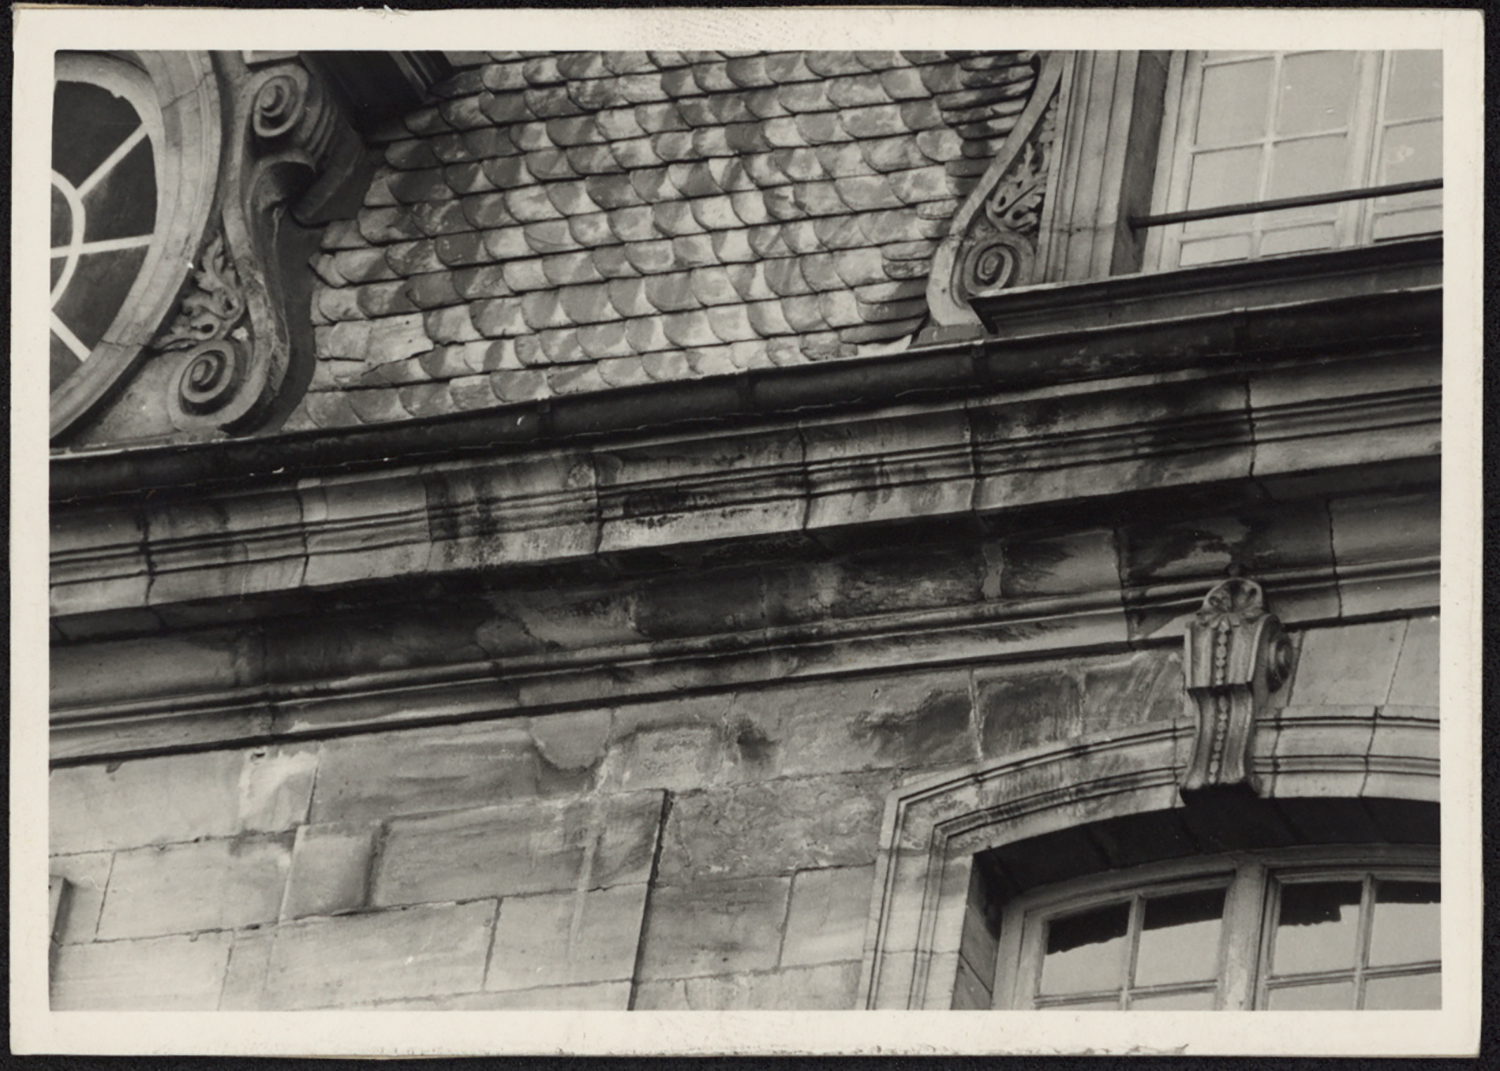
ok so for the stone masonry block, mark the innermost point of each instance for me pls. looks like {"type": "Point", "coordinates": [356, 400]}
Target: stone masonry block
{"type": "Point", "coordinates": [572, 740]}
{"type": "Point", "coordinates": [1349, 665]}
{"type": "Point", "coordinates": [87, 876]}
{"type": "Point", "coordinates": [826, 920]}
{"type": "Point", "coordinates": [1384, 528]}
{"type": "Point", "coordinates": [774, 827]}
{"type": "Point", "coordinates": [330, 870]}
{"type": "Point", "coordinates": [415, 952]}
{"type": "Point", "coordinates": [832, 987]}
{"type": "Point", "coordinates": [276, 788]}
{"type": "Point", "coordinates": [673, 744]}
{"type": "Point", "coordinates": [175, 798]}
{"type": "Point", "coordinates": [515, 849]}
{"type": "Point", "coordinates": [904, 721]}
{"type": "Point", "coordinates": [680, 758]}
{"type": "Point", "coordinates": [91, 673]}
{"type": "Point", "coordinates": [245, 979]}
{"type": "Point", "coordinates": [1145, 686]}
{"type": "Point", "coordinates": [603, 996]}
{"type": "Point", "coordinates": [159, 974]}
{"type": "Point", "coordinates": [207, 885]}
{"type": "Point", "coordinates": [1076, 563]}
{"type": "Point", "coordinates": [1021, 709]}
{"type": "Point", "coordinates": [1416, 681]}
{"type": "Point", "coordinates": [713, 927]}
{"type": "Point", "coordinates": [600, 996]}
{"type": "Point", "coordinates": [567, 938]}
{"type": "Point", "coordinates": [370, 777]}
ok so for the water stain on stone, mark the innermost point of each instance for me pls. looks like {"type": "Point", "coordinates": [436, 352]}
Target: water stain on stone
{"type": "Point", "coordinates": [753, 743]}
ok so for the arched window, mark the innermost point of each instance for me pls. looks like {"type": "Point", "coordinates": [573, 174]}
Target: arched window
{"type": "Point", "coordinates": [135, 161]}
{"type": "Point", "coordinates": [107, 146]}
{"type": "Point", "coordinates": [1310, 928]}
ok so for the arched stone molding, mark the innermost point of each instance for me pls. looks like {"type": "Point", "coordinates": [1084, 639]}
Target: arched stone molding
{"type": "Point", "coordinates": [181, 95]}
{"type": "Point", "coordinates": [933, 828]}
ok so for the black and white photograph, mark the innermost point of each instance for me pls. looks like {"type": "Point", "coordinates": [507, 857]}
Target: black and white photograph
{"type": "Point", "coordinates": [839, 522]}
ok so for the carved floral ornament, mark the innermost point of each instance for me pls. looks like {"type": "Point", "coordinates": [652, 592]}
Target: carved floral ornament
{"type": "Point", "coordinates": [208, 297]}
{"type": "Point", "coordinates": [992, 241]}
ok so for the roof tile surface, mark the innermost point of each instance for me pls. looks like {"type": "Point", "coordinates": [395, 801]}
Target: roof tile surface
{"type": "Point", "coordinates": [559, 223]}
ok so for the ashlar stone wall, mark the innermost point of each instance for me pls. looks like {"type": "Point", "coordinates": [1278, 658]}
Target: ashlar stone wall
{"type": "Point", "coordinates": [714, 851]}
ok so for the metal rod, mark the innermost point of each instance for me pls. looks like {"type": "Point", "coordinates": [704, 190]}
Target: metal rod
{"type": "Point", "coordinates": [1247, 208]}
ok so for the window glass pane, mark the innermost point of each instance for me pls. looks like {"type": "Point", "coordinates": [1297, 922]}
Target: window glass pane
{"type": "Point", "coordinates": [1415, 87]}
{"type": "Point", "coordinates": [1405, 926]}
{"type": "Point", "coordinates": [1412, 992]}
{"type": "Point", "coordinates": [1180, 938]}
{"type": "Point", "coordinates": [1412, 152]}
{"type": "Point", "coordinates": [1317, 91]}
{"type": "Point", "coordinates": [1224, 178]}
{"type": "Point", "coordinates": [100, 285]}
{"type": "Point", "coordinates": [1308, 165]}
{"type": "Point", "coordinates": [1234, 102]}
{"type": "Point", "coordinates": [1297, 239]}
{"type": "Point", "coordinates": [1195, 1000]}
{"type": "Point", "coordinates": [1317, 927]}
{"type": "Point", "coordinates": [123, 204]}
{"type": "Point", "coordinates": [1333, 996]}
{"type": "Point", "coordinates": [1086, 951]}
{"type": "Point", "coordinates": [88, 123]}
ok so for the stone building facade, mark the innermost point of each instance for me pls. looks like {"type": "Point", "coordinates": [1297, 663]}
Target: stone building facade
{"type": "Point", "coordinates": [745, 530]}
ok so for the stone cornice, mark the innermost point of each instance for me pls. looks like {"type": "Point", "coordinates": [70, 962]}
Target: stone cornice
{"type": "Point", "coordinates": [1086, 623]}
{"type": "Point", "coordinates": [1343, 302]}
{"type": "Point", "coordinates": [964, 457]}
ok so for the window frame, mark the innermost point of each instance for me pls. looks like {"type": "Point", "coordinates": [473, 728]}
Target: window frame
{"type": "Point", "coordinates": [1247, 931]}
{"type": "Point", "coordinates": [1353, 220]}
{"type": "Point", "coordinates": [186, 115]}
{"type": "Point", "coordinates": [132, 84]}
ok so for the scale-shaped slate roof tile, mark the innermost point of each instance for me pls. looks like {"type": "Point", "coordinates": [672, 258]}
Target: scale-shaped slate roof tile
{"type": "Point", "coordinates": [554, 223]}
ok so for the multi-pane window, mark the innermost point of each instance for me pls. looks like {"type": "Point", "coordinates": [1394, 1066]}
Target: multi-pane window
{"type": "Point", "coordinates": [1267, 126]}
{"type": "Point", "coordinates": [1249, 931]}
{"type": "Point", "coordinates": [105, 155]}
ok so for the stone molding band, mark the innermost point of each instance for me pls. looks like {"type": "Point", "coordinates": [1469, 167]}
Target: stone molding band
{"type": "Point", "coordinates": [1001, 453]}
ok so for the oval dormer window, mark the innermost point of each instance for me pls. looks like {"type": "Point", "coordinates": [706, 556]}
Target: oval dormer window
{"type": "Point", "coordinates": [106, 152]}
{"type": "Point", "coordinates": [135, 158]}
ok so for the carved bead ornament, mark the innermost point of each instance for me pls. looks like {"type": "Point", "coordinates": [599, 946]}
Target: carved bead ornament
{"type": "Point", "coordinates": [1236, 654]}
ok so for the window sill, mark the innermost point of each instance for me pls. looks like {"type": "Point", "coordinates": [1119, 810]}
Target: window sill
{"type": "Point", "coordinates": [1305, 279]}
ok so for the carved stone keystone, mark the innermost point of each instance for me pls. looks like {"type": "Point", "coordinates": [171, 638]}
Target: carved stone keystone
{"type": "Point", "coordinates": [1235, 656]}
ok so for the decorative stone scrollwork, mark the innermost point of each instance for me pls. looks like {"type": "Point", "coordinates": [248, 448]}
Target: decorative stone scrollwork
{"type": "Point", "coordinates": [211, 308]}
{"type": "Point", "coordinates": [992, 243]}
{"type": "Point", "coordinates": [213, 365]}
{"type": "Point", "coordinates": [1236, 654]}
{"type": "Point", "coordinates": [284, 133]}
{"type": "Point", "coordinates": [279, 103]}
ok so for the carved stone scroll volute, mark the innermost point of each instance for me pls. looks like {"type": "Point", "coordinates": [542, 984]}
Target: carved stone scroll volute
{"type": "Point", "coordinates": [992, 241]}
{"type": "Point", "coordinates": [1236, 654]}
{"type": "Point", "coordinates": [283, 132]}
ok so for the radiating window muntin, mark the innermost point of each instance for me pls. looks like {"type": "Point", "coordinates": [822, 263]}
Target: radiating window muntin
{"type": "Point", "coordinates": [1254, 126]}
{"type": "Point", "coordinates": [106, 159]}
{"type": "Point", "coordinates": [1262, 930]}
